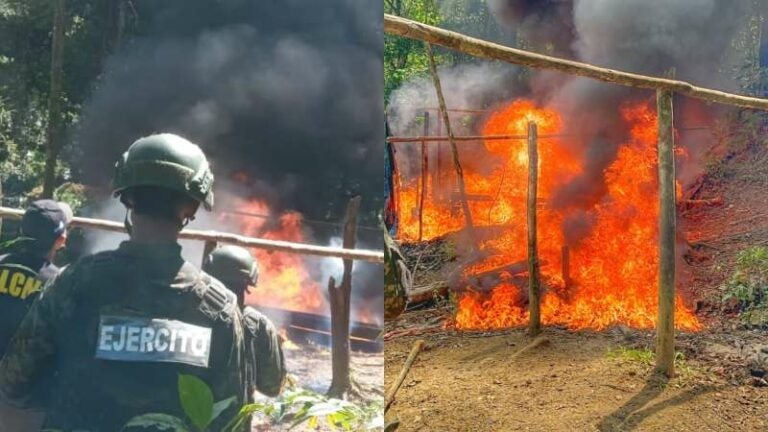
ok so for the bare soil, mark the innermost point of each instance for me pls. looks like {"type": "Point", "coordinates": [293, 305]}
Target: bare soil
{"type": "Point", "coordinates": [578, 381]}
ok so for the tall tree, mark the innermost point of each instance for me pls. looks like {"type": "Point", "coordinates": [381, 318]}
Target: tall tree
{"type": "Point", "coordinates": [53, 134]}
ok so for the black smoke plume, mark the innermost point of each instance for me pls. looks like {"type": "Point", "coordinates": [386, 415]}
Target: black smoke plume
{"type": "Point", "coordinates": [288, 92]}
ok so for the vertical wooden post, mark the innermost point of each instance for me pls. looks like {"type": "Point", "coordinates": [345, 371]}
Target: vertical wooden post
{"type": "Point", "coordinates": [534, 307]}
{"type": "Point", "coordinates": [437, 189]}
{"type": "Point", "coordinates": [339, 299]}
{"type": "Point", "coordinates": [454, 150]}
{"type": "Point", "coordinates": [424, 175]}
{"type": "Point", "coordinates": [566, 265]}
{"type": "Point", "coordinates": [209, 247]}
{"type": "Point", "coordinates": [665, 329]}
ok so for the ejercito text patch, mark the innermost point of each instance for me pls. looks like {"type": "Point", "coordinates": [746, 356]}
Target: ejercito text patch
{"type": "Point", "coordinates": [152, 340]}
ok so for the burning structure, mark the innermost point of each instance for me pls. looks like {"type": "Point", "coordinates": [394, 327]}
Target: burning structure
{"type": "Point", "coordinates": [598, 183]}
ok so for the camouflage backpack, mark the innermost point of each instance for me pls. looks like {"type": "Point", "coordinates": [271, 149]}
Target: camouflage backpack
{"type": "Point", "coordinates": [397, 279]}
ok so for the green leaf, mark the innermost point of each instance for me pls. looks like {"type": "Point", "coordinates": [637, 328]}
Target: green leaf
{"type": "Point", "coordinates": [221, 406]}
{"type": "Point", "coordinates": [197, 400]}
{"type": "Point", "coordinates": [243, 415]}
{"type": "Point", "coordinates": [163, 422]}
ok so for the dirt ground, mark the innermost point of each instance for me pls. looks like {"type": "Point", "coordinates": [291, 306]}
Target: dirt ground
{"type": "Point", "coordinates": [309, 366]}
{"type": "Point", "coordinates": [577, 381]}
{"type": "Point", "coordinates": [603, 381]}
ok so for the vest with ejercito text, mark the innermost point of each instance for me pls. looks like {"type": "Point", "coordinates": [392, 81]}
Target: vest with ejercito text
{"type": "Point", "coordinates": [129, 322]}
{"type": "Point", "coordinates": [22, 277]}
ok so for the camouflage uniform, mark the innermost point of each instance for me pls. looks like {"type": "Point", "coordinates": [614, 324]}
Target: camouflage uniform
{"type": "Point", "coordinates": [118, 327]}
{"type": "Point", "coordinates": [265, 364]}
{"type": "Point", "coordinates": [397, 279]}
{"type": "Point", "coordinates": [63, 331]}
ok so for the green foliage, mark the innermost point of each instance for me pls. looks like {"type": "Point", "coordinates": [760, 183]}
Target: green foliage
{"type": "Point", "coordinates": [72, 194]}
{"type": "Point", "coordinates": [294, 406]}
{"type": "Point", "coordinates": [197, 400]}
{"type": "Point", "coordinates": [748, 285]}
{"type": "Point", "coordinates": [303, 406]}
{"type": "Point", "coordinates": [406, 58]}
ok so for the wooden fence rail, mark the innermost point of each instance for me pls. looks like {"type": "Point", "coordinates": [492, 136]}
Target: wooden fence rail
{"type": "Point", "coordinates": [220, 237]}
{"type": "Point", "coordinates": [395, 25]}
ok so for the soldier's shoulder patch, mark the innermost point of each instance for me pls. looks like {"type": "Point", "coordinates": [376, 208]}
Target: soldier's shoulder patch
{"type": "Point", "coordinates": [217, 302]}
{"type": "Point", "coordinates": [139, 339]}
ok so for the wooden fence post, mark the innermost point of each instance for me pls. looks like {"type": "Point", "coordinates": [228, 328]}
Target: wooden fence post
{"type": "Point", "coordinates": [534, 325]}
{"type": "Point", "coordinates": [339, 299]}
{"type": "Point", "coordinates": [665, 329]}
{"type": "Point", "coordinates": [454, 151]}
{"type": "Point", "coordinates": [424, 175]}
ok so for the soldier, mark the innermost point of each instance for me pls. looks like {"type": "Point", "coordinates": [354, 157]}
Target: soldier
{"type": "Point", "coordinates": [119, 327]}
{"type": "Point", "coordinates": [23, 272]}
{"type": "Point", "coordinates": [237, 269]}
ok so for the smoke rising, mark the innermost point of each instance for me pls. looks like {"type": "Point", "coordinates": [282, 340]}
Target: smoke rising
{"type": "Point", "coordinates": [286, 97]}
{"type": "Point", "coordinates": [690, 38]}
{"type": "Point", "coordinates": [288, 94]}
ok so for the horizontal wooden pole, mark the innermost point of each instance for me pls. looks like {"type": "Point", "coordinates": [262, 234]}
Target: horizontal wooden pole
{"type": "Point", "coordinates": [436, 138]}
{"type": "Point", "coordinates": [398, 26]}
{"type": "Point", "coordinates": [220, 237]}
{"type": "Point", "coordinates": [458, 110]}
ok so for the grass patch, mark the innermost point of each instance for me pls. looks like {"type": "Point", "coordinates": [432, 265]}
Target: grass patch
{"type": "Point", "coordinates": [747, 287]}
{"type": "Point", "coordinates": [640, 355]}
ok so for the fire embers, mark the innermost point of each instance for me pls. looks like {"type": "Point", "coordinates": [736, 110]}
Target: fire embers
{"type": "Point", "coordinates": [611, 239]}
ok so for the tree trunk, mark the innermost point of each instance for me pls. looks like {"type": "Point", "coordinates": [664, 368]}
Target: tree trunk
{"type": "Point", "coordinates": [339, 298]}
{"type": "Point", "coordinates": [53, 133]}
{"type": "Point", "coordinates": [665, 329]}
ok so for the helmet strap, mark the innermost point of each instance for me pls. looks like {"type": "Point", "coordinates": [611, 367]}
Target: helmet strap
{"type": "Point", "coordinates": [127, 222]}
{"type": "Point", "coordinates": [186, 221]}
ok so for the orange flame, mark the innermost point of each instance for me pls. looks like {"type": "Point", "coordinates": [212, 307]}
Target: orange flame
{"type": "Point", "coordinates": [284, 280]}
{"type": "Point", "coordinates": [613, 270]}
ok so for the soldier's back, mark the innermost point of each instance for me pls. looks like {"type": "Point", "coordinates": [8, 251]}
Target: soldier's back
{"type": "Point", "coordinates": [128, 322]}
{"type": "Point", "coordinates": [22, 276]}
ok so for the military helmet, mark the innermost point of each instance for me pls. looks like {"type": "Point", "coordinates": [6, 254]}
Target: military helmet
{"type": "Point", "coordinates": [232, 264]}
{"type": "Point", "coordinates": [169, 161]}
